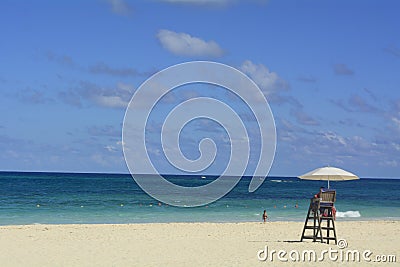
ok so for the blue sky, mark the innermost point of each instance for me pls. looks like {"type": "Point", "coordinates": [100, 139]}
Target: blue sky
{"type": "Point", "coordinates": [329, 70]}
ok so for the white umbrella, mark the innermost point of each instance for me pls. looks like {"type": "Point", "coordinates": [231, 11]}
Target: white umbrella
{"type": "Point", "coordinates": [329, 174]}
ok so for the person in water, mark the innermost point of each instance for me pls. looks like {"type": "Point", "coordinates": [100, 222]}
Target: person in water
{"type": "Point", "coordinates": [265, 216]}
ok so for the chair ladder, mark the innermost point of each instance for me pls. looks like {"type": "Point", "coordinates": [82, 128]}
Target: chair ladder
{"type": "Point", "coordinates": [329, 220]}
{"type": "Point", "coordinates": [313, 213]}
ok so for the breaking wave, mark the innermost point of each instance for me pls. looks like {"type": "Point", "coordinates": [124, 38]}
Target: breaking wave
{"type": "Point", "coordinates": [348, 214]}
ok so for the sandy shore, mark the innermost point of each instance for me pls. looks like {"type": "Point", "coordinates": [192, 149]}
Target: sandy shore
{"type": "Point", "coordinates": [186, 244]}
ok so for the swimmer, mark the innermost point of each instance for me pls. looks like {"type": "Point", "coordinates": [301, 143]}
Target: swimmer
{"type": "Point", "coordinates": [265, 216]}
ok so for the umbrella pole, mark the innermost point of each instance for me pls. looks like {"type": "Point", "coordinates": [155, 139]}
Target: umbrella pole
{"type": "Point", "coordinates": [328, 181]}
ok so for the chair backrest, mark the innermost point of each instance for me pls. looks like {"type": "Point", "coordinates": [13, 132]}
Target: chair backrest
{"type": "Point", "coordinates": [328, 196]}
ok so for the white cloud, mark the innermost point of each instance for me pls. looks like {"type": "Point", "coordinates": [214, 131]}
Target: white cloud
{"type": "Point", "coordinates": [389, 163]}
{"type": "Point", "coordinates": [120, 7]}
{"type": "Point", "coordinates": [268, 81]}
{"type": "Point", "coordinates": [336, 139]}
{"type": "Point", "coordinates": [116, 97]}
{"type": "Point", "coordinates": [396, 122]}
{"type": "Point", "coordinates": [396, 146]}
{"type": "Point", "coordinates": [119, 97]}
{"type": "Point", "coordinates": [184, 44]}
{"type": "Point", "coordinates": [111, 101]}
{"type": "Point", "coordinates": [273, 86]}
{"type": "Point", "coordinates": [110, 148]}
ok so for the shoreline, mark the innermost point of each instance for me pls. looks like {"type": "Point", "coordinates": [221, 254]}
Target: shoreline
{"type": "Point", "coordinates": [182, 244]}
{"type": "Point", "coordinates": [376, 219]}
{"type": "Point", "coordinates": [191, 223]}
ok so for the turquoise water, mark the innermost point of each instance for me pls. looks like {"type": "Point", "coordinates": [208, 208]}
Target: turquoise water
{"type": "Point", "coordinates": [29, 198]}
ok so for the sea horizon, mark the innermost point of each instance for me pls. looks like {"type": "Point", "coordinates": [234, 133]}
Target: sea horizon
{"type": "Point", "coordinates": [172, 174]}
{"type": "Point", "coordinates": [105, 198]}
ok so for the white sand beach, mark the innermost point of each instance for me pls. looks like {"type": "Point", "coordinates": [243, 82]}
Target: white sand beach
{"type": "Point", "coordinates": [186, 244]}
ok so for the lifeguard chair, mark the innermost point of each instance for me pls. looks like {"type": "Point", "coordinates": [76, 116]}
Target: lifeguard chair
{"type": "Point", "coordinates": [320, 210]}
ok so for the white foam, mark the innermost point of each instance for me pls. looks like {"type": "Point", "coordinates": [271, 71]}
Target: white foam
{"type": "Point", "coordinates": [348, 214]}
{"type": "Point", "coordinates": [276, 181]}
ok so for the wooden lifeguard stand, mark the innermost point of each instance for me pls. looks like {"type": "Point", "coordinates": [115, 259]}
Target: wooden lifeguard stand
{"type": "Point", "coordinates": [320, 211]}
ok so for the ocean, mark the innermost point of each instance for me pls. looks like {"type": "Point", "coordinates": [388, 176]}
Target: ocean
{"type": "Point", "coordinates": [72, 198]}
